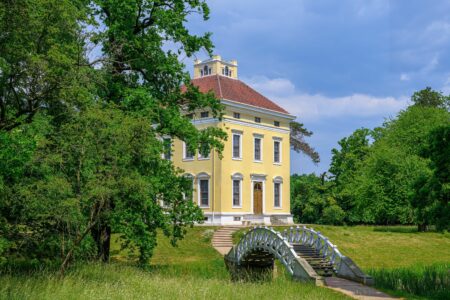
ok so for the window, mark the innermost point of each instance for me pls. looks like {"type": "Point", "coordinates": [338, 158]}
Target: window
{"type": "Point", "coordinates": [276, 123]}
{"type": "Point", "coordinates": [204, 192]}
{"type": "Point", "coordinates": [237, 218]}
{"type": "Point", "coordinates": [257, 149]}
{"type": "Point", "coordinates": [237, 115]}
{"type": "Point", "coordinates": [257, 119]}
{"type": "Point", "coordinates": [236, 193]}
{"type": "Point", "coordinates": [277, 194]}
{"type": "Point", "coordinates": [190, 116]}
{"type": "Point", "coordinates": [236, 145]}
{"type": "Point", "coordinates": [188, 154]}
{"type": "Point", "coordinates": [167, 145]}
{"type": "Point", "coordinates": [206, 71]}
{"type": "Point", "coordinates": [276, 151]}
{"type": "Point", "coordinates": [204, 114]}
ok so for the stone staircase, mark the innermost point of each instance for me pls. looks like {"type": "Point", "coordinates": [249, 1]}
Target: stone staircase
{"type": "Point", "coordinates": [322, 266]}
{"type": "Point", "coordinates": [222, 239]}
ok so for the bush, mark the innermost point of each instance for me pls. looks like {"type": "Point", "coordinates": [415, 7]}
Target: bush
{"type": "Point", "coordinates": [333, 215]}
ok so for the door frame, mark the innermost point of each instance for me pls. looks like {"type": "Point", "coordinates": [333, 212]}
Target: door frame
{"type": "Point", "coordinates": [258, 178]}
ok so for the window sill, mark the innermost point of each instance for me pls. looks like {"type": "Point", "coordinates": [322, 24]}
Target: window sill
{"type": "Point", "coordinates": [188, 159]}
{"type": "Point", "coordinates": [239, 207]}
{"type": "Point", "coordinates": [204, 207]}
{"type": "Point", "coordinates": [258, 161]}
{"type": "Point", "coordinates": [203, 158]}
{"type": "Point", "coordinates": [277, 163]}
{"type": "Point", "coordinates": [237, 158]}
{"type": "Point", "coordinates": [278, 208]}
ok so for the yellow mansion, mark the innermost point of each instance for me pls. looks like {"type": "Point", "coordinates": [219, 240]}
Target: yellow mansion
{"type": "Point", "coordinates": [251, 182]}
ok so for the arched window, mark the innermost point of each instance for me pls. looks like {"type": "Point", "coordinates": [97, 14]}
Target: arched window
{"type": "Point", "coordinates": [203, 189]}
{"type": "Point", "coordinates": [277, 191]}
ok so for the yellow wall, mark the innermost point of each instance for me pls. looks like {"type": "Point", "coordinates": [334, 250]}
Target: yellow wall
{"type": "Point", "coordinates": [220, 171]}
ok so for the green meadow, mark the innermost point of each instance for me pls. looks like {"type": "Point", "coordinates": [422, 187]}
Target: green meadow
{"type": "Point", "coordinates": [397, 257]}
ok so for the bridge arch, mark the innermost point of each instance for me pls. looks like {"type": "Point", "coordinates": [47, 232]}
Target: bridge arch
{"type": "Point", "coordinates": [258, 248]}
{"type": "Point", "coordinates": [268, 245]}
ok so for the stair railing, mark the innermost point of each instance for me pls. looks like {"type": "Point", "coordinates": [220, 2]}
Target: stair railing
{"type": "Point", "coordinates": [310, 237]}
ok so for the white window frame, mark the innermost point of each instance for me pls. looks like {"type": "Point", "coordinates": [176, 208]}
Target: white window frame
{"type": "Point", "coordinates": [278, 180]}
{"type": "Point", "coordinates": [236, 177]}
{"type": "Point", "coordinates": [200, 177]}
{"type": "Point", "coordinates": [280, 141]}
{"type": "Point", "coordinates": [261, 145]}
{"type": "Point", "coordinates": [237, 133]}
{"type": "Point", "coordinates": [185, 152]}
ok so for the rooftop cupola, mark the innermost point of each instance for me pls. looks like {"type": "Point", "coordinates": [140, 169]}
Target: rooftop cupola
{"type": "Point", "coordinates": [215, 66]}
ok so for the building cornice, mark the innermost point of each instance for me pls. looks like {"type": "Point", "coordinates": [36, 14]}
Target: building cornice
{"type": "Point", "coordinates": [257, 109]}
{"type": "Point", "coordinates": [255, 125]}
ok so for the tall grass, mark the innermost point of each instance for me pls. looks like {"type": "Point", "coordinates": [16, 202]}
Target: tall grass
{"type": "Point", "coordinates": [429, 281]}
{"type": "Point", "coordinates": [193, 270]}
{"type": "Point", "coordinates": [121, 281]}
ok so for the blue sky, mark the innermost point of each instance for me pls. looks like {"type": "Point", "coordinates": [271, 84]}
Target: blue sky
{"type": "Point", "coordinates": [336, 65]}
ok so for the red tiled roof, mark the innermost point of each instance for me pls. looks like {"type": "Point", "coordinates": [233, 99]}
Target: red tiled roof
{"type": "Point", "coordinates": [235, 90]}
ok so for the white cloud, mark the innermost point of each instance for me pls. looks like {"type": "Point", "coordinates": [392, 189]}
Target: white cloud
{"type": "Point", "coordinates": [372, 8]}
{"type": "Point", "coordinates": [404, 77]}
{"type": "Point", "coordinates": [312, 107]}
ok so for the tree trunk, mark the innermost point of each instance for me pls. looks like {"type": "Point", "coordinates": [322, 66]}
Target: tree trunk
{"type": "Point", "coordinates": [422, 227]}
{"type": "Point", "coordinates": [102, 237]}
{"type": "Point", "coordinates": [76, 244]}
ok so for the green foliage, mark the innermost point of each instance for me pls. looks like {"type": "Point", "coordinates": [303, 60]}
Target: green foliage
{"type": "Point", "coordinates": [40, 58]}
{"type": "Point", "coordinates": [312, 203]}
{"type": "Point", "coordinates": [430, 98]}
{"type": "Point", "coordinates": [394, 174]}
{"type": "Point", "coordinates": [80, 135]}
{"type": "Point", "coordinates": [432, 195]}
{"type": "Point", "coordinates": [298, 143]}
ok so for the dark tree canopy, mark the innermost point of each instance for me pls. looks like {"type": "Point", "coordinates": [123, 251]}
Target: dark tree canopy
{"type": "Point", "coordinates": [430, 98]}
{"type": "Point", "coordinates": [82, 130]}
{"type": "Point", "coordinates": [298, 143]}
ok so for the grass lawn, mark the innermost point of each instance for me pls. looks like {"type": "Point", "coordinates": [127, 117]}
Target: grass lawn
{"type": "Point", "coordinates": [398, 257]}
{"type": "Point", "coordinates": [193, 270]}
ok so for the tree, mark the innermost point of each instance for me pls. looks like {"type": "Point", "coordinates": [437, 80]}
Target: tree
{"type": "Point", "coordinates": [432, 195]}
{"type": "Point", "coordinates": [313, 202]}
{"type": "Point", "coordinates": [383, 184]}
{"type": "Point", "coordinates": [430, 98]}
{"type": "Point", "coordinates": [83, 158]}
{"type": "Point", "coordinates": [143, 79]}
{"type": "Point", "coordinates": [344, 165]}
{"type": "Point", "coordinates": [41, 56]}
{"type": "Point", "coordinates": [298, 143]}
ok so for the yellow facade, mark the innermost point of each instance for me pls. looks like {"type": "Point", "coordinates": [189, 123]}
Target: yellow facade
{"type": "Point", "coordinates": [244, 170]}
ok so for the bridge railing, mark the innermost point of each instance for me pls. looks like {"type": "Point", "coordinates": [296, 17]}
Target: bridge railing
{"type": "Point", "coordinates": [310, 237]}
